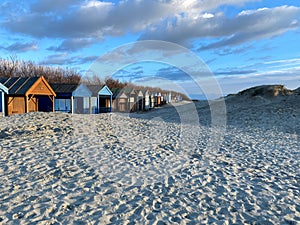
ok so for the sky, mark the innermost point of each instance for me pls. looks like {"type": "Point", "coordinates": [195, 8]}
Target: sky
{"type": "Point", "coordinates": [204, 48]}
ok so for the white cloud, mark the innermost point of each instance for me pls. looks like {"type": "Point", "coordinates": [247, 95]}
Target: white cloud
{"type": "Point", "coordinates": [246, 26]}
{"type": "Point", "coordinates": [179, 21]}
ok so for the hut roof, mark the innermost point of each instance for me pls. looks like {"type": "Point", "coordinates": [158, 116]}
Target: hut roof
{"type": "Point", "coordinates": [27, 85]}
{"type": "Point", "coordinates": [128, 91]}
{"type": "Point", "coordinates": [64, 88]}
{"type": "Point", "coordinates": [18, 85]}
{"type": "Point", "coordinates": [116, 91]}
{"type": "Point", "coordinates": [95, 89]}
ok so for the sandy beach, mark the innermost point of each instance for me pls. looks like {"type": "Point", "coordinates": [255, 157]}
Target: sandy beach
{"type": "Point", "coordinates": [154, 167]}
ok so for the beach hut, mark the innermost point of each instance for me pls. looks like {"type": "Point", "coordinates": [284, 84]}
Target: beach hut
{"type": "Point", "coordinates": [125, 99]}
{"type": "Point", "coordinates": [131, 94]}
{"type": "Point", "coordinates": [101, 101]}
{"type": "Point", "coordinates": [139, 97]}
{"type": "Point", "coordinates": [120, 100]}
{"type": "Point", "coordinates": [178, 98]}
{"type": "Point", "coordinates": [105, 99]}
{"type": "Point", "coordinates": [152, 100]}
{"type": "Point", "coordinates": [168, 97]}
{"type": "Point", "coordinates": [26, 93]}
{"type": "Point", "coordinates": [162, 99]}
{"type": "Point", "coordinates": [74, 98]}
{"type": "Point", "coordinates": [64, 97]}
{"type": "Point", "coordinates": [3, 91]}
{"type": "Point", "coordinates": [146, 100]}
{"type": "Point", "coordinates": [157, 99]}
{"type": "Point", "coordinates": [81, 100]}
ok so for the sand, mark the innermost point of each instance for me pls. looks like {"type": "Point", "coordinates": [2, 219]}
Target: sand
{"type": "Point", "coordinates": [155, 167]}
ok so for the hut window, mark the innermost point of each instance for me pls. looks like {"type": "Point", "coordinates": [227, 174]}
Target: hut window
{"type": "Point", "coordinates": [86, 105]}
{"type": "Point", "coordinates": [94, 105]}
{"type": "Point", "coordinates": [62, 105]}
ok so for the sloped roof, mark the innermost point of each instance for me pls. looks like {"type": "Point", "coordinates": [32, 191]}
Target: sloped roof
{"type": "Point", "coordinates": [64, 88]}
{"type": "Point", "coordinates": [18, 85]}
{"type": "Point", "coordinates": [95, 89]}
{"type": "Point", "coordinates": [115, 91]}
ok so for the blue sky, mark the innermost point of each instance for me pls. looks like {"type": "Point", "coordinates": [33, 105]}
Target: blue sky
{"type": "Point", "coordinates": [241, 43]}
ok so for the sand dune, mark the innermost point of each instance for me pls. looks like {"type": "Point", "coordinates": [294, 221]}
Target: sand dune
{"type": "Point", "coordinates": [154, 167]}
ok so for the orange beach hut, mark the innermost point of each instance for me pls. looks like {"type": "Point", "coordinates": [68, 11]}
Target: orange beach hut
{"type": "Point", "coordinates": [24, 94]}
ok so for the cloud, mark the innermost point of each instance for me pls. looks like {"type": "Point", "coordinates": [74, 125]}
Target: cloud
{"type": "Point", "coordinates": [233, 50]}
{"type": "Point", "coordinates": [179, 21]}
{"type": "Point", "coordinates": [235, 72]}
{"type": "Point", "coordinates": [22, 47]}
{"type": "Point", "coordinates": [66, 59]}
{"type": "Point", "coordinates": [73, 44]}
{"type": "Point", "coordinates": [81, 19]}
{"type": "Point", "coordinates": [244, 27]}
{"type": "Point", "coordinates": [87, 18]}
{"type": "Point", "coordinates": [256, 25]}
{"type": "Point", "coordinates": [173, 74]}
{"type": "Point", "coordinates": [57, 59]}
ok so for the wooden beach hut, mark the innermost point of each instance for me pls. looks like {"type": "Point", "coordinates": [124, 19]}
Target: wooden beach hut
{"type": "Point", "coordinates": [120, 100]}
{"type": "Point", "coordinates": [3, 91]}
{"type": "Point", "coordinates": [157, 99]}
{"type": "Point", "coordinates": [101, 101]}
{"type": "Point", "coordinates": [26, 93]}
{"type": "Point", "coordinates": [131, 93]}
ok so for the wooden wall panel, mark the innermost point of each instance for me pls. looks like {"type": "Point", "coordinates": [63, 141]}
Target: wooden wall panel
{"type": "Point", "coordinates": [16, 105]}
{"type": "Point", "coordinates": [32, 105]}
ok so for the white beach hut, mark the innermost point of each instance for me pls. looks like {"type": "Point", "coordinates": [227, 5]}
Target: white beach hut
{"type": "Point", "coordinates": [169, 97]}
{"type": "Point", "coordinates": [146, 100]}
{"type": "Point", "coordinates": [81, 100]}
{"type": "Point", "coordinates": [3, 91]}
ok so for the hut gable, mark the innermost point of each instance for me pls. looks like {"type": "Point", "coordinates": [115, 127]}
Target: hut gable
{"type": "Point", "coordinates": [105, 91]}
{"type": "Point", "coordinates": [82, 91]}
{"type": "Point", "coordinates": [146, 92]}
{"type": "Point", "coordinates": [139, 93]}
{"type": "Point", "coordinates": [27, 85]}
{"type": "Point", "coordinates": [41, 87]}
